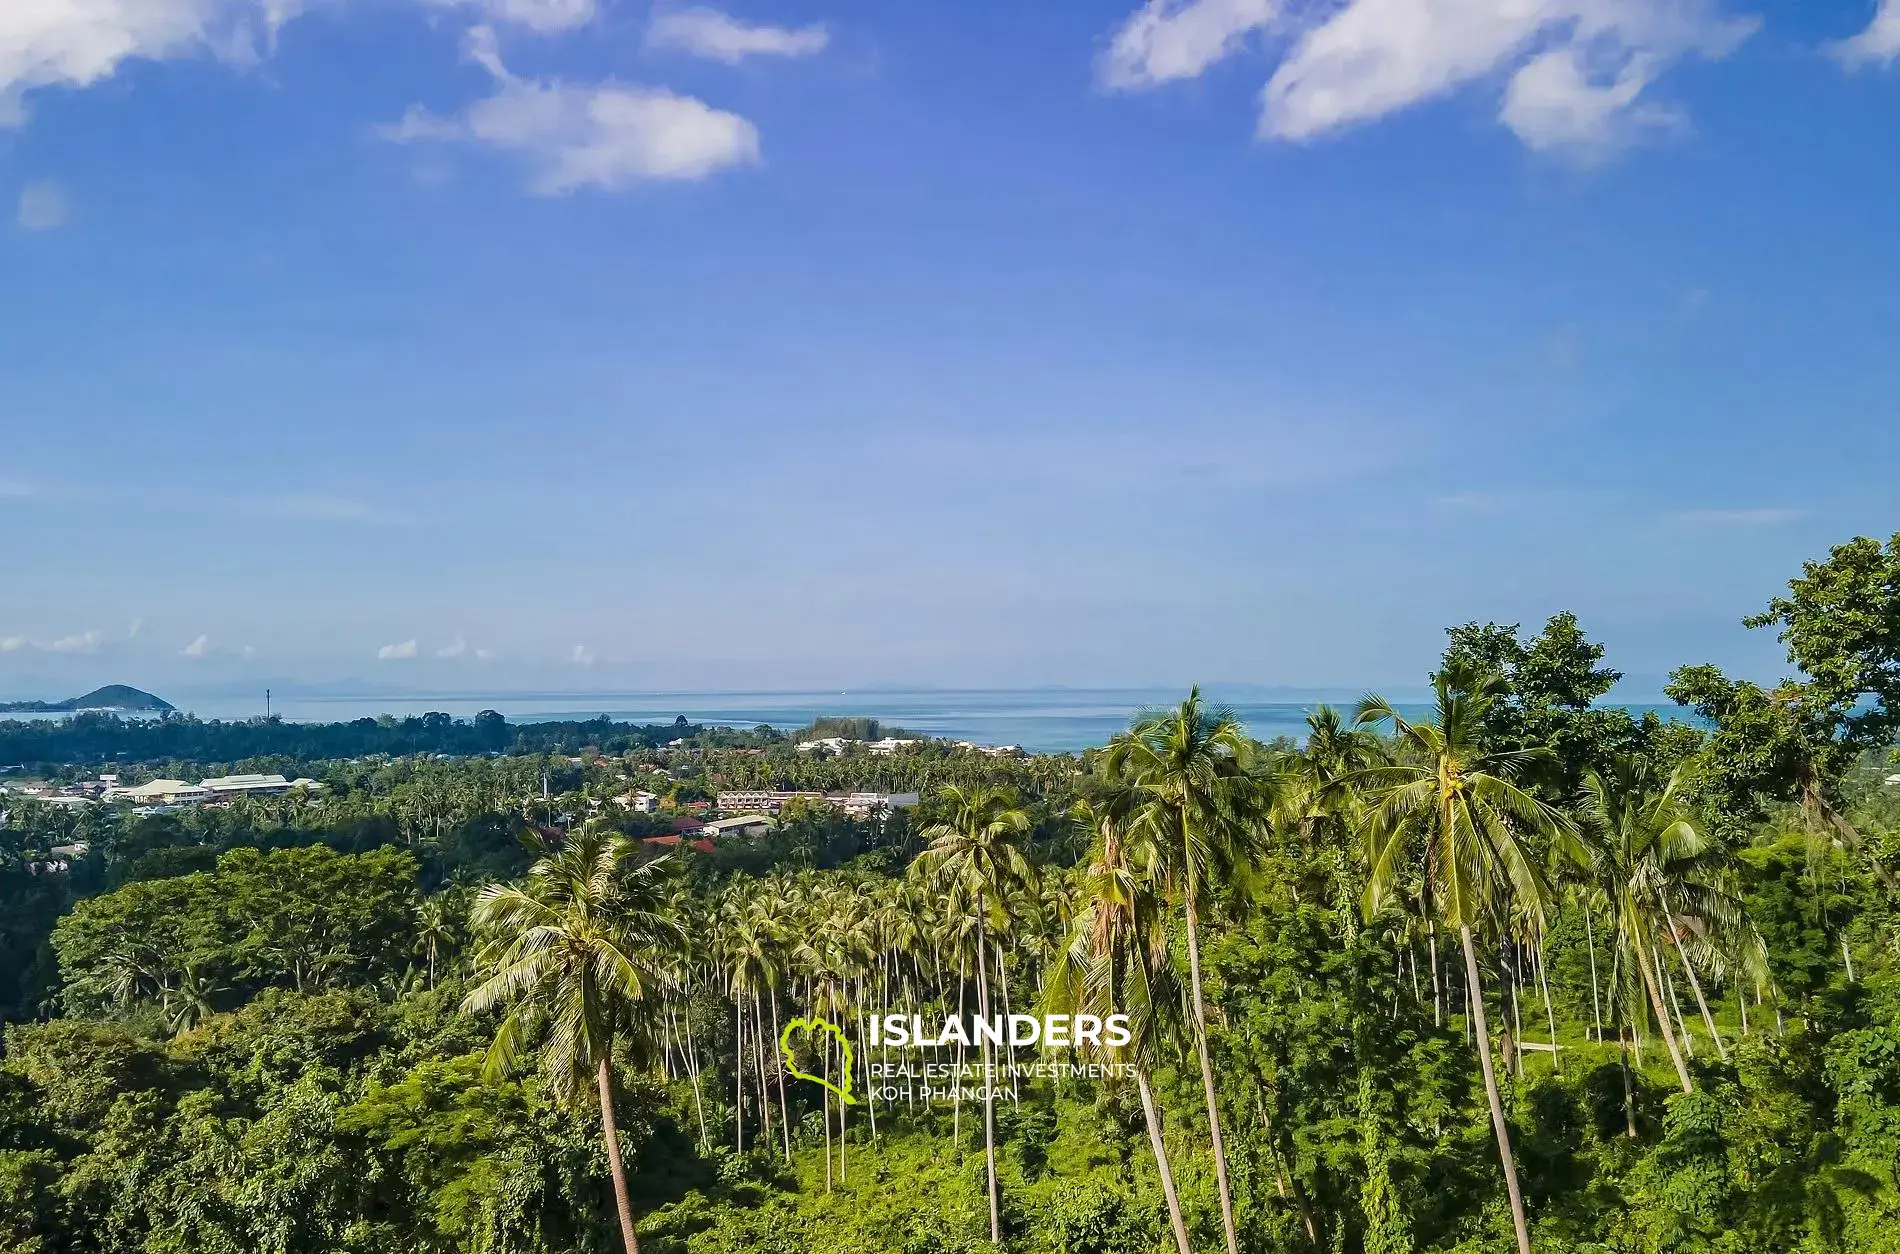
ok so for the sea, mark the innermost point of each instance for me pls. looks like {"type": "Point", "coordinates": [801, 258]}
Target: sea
{"type": "Point", "coordinates": [1041, 720]}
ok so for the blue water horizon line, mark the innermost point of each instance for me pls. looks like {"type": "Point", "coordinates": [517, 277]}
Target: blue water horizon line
{"type": "Point", "coordinates": [1044, 720]}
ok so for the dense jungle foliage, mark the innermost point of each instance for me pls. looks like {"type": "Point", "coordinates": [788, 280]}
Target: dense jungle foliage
{"type": "Point", "coordinates": [1520, 973]}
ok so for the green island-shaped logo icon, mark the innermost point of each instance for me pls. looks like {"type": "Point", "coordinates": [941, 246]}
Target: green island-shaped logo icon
{"type": "Point", "coordinates": [817, 1025]}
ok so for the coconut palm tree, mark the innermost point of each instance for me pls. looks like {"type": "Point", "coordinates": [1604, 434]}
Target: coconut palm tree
{"type": "Point", "coordinates": [189, 1004]}
{"type": "Point", "coordinates": [1457, 807]}
{"type": "Point", "coordinates": [435, 928]}
{"type": "Point", "coordinates": [1116, 961]}
{"type": "Point", "coordinates": [573, 954]}
{"type": "Point", "coordinates": [1665, 878]}
{"type": "Point", "coordinates": [1200, 801]}
{"type": "Point", "coordinates": [975, 855]}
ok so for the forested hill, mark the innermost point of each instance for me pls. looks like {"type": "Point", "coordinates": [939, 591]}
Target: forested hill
{"type": "Point", "coordinates": [121, 697]}
{"type": "Point", "coordinates": [98, 737]}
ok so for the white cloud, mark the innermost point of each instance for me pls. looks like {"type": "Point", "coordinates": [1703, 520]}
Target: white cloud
{"type": "Point", "coordinates": [395, 652]}
{"type": "Point", "coordinates": [543, 16]}
{"type": "Point", "coordinates": [78, 642]}
{"type": "Point", "coordinates": [76, 43]}
{"type": "Point", "coordinates": [43, 206]}
{"type": "Point", "coordinates": [248, 651]}
{"type": "Point", "coordinates": [1879, 44]}
{"type": "Point", "coordinates": [197, 647]}
{"type": "Point", "coordinates": [132, 632]}
{"type": "Point", "coordinates": [1554, 102]}
{"type": "Point", "coordinates": [1575, 71]}
{"type": "Point", "coordinates": [581, 656]}
{"type": "Point", "coordinates": [454, 650]}
{"type": "Point", "coordinates": [1170, 39]}
{"type": "Point", "coordinates": [484, 655]}
{"type": "Point", "coordinates": [574, 135]}
{"type": "Point", "coordinates": [717, 36]}
{"type": "Point", "coordinates": [12, 644]}
{"type": "Point", "coordinates": [1761, 517]}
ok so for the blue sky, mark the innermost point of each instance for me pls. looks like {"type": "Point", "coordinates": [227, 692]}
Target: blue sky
{"type": "Point", "coordinates": [584, 343]}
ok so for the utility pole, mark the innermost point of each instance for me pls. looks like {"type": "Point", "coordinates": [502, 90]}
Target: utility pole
{"type": "Point", "coordinates": [267, 705]}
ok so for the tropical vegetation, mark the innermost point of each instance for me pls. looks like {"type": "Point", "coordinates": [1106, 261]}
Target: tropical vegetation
{"type": "Point", "coordinates": [1509, 969]}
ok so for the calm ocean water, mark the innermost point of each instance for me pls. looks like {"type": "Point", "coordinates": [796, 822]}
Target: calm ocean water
{"type": "Point", "coordinates": [1049, 720]}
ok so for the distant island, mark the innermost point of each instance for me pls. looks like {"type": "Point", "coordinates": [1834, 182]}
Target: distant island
{"type": "Point", "coordinates": [110, 697]}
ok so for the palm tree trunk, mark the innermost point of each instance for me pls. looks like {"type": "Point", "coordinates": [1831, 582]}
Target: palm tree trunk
{"type": "Point", "coordinates": [758, 1062]}
{"type": "Point", "coordinates": [1518, 1218]}
{"type": "Point", "coordinates": [1669, 985]}
{"type": "Point", "coordinates": [1695, 986]}
{"type": "Point", "coordinates": [1438, 997]}
{"type": "Point", "coordinates": [1596, 1001]}
{"type": "Point", "coordinates": [1002, 980]}
{"type": "Point", "coordinates": [1662, 1022]}
{"type": "Point", "coordinates": [603, 1077]}
{"type": "Point", "coordinates": [956, 1089]}
{"type": "Point", "coordinates": [1200, 1045]}
{"type": "Point", "coordinates": [1629, 1092]}
{"type": "Point", "coordinates": [692, 1067]}
{"type": "Point", "coordinates": [989, 1088]}
{"type": "Point", "coordinates": [1161, 1162]}
{"type": "Point", "coordinates": [738, 1073]}
{"type": "Point", "coordinates": [784, 1112]}
{"type": "Point", "coordinates": [844, 1082]}
{"type": "Point", "coordinates": [1543, 982]}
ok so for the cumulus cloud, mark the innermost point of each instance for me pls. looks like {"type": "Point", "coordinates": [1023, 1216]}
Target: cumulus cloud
{"type": "Point", "coordinates": [1576, 72]}
{"type": "Point", "coordinates": [76, 43]}
{"type": "Point", "coordinates": [12, 644]}
{"type": "Point", "coordinates": [1879, 44]}
{"type": "Point", "coordinates": [43, 206]}
{"type": "Point", "coordinates": [718, 36]}
{"type": "Point", "coordinates": [581, 656]}
{"type": "Point", "coordinates": [197, 647]}
{"type": "Point", "coordinates": [576, 135]}
{"type": "Point", "coordinates": [78, 642]}
{"type": "Point", "coordinates": [396, 652]}
{"type": "Point", "coordinates": [454, 650]}
{"type": "Point", "coordinates": [1169, 39]}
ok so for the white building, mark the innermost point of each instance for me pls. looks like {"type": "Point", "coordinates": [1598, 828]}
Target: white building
{"type": "Point", "coordinates": [887, 746]}
{"type": "Point", "coordinates": [251, 785]}
{"type": "Point", "coordinates": [161, 792]}
{"type": "Point", "coordinates": [830, 744]}
{"type": "Point", "coordinates": [738, 825]}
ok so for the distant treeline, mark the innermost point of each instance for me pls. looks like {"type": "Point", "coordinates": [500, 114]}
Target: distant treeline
{"type": "Point", "coordinates": [87, 738]}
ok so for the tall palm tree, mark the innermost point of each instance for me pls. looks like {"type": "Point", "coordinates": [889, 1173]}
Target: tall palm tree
{"type": "Point", "coordinates": [572, 954]}
{"type": "Point", "coordinates": [976, 855]}
{"type": "Point", "coordinates": [1201, 802]}
{"type": "Point", "coordinates": [1663, 876]}
{"type": "Point", "coordinates": [1457, 807]}
{"type": "Point", "coordinates": [435, 928]}
{"type": "Point", "coordinates": [1116, 961]}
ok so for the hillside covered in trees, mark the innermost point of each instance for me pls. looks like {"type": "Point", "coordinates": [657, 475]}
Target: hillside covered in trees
{"type": "Point", "coordinates": [1519, 973]}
